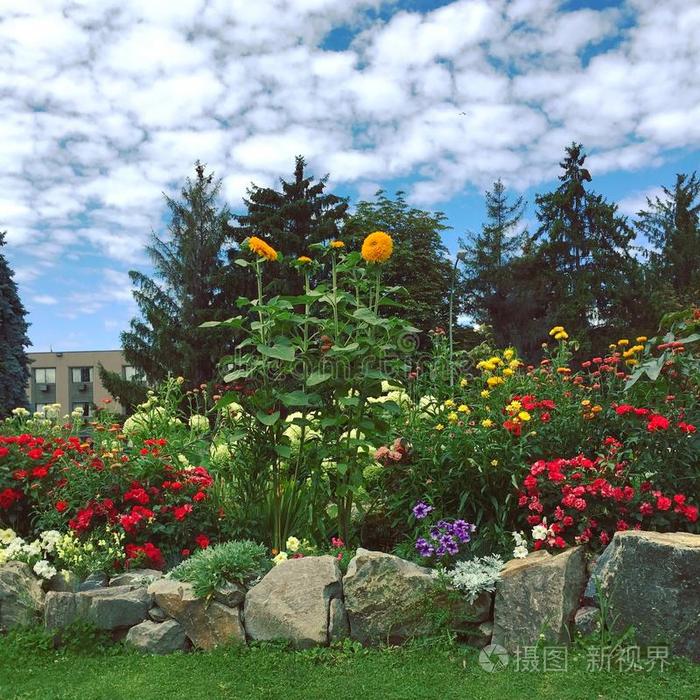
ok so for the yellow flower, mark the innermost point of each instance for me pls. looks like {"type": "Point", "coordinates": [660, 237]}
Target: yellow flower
{"type": "Point", "coordinates": [562, 335]}
{"type": "Point", "coordinates": [337, 244]}
{"type": "Point", "coordinates": [494, 462]}
{"type": "Point", "coordinates": [508, 354]}
{"type": "Point", "coordinates": [281, 557]}
{"type": "Point", "coordinates": [486, 423]}
{"type": "Point", "coordinates": [586, 402]}
{"type": "Point", "coordinates": [507, 372]}
{"type": "Point", "coordinates": [641, 339]}
{"type": "Point", "coordinates": [631, 362]}
{"type": "Point", "coordinates": [449, 403]}
{"type": "Point", "coordinates": [597, 408]}
{"type": "Point", "coordinates": [563, 370]}
{"type": "Point", "coordinates": [261, 249]}
{"type": "Point", "coordinates": [495, 361]}
{"type": "Point", "coordinates": [514, 406]}
{"type": "Point", "coordinates": [485, 394]}
{"type": "Point", "coordinates": [304, 259]}
{"type": "Point", "coordinates": [463, 382]}
{"type": "Point", "coordinates": [377, 247]}
{"type": "Point", "coordinates": [463, 408]}
{"type": "Point", "coordinates": [556, 329]}
{"type": "Point", "coordinates": [514, 364]}
{"type": "Point", "coordinates": [612, 346]}
{"type": "Point", "coordinates": [623, 341]}
{"type": "Point", "coordinates": [494, 381]}
{"type": "Point", "coordinates": [452, 417]}
{"type": "Point", "coordinates": [439, 427]}
{"type": "Point", "coordinates": [293, 544]}
{"type": "Point", "coordinates": [524, 416]}
{"type": "Point", "coordinates": [637, 348]}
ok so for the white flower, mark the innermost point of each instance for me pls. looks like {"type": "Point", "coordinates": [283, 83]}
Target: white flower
{"type": "Point", "coordinates": [6, 536]}
{"type": "Point", "coordinates": [49, 539]}
{"type": "Point", "coordinates": [219, 453]}
{"type": "Point", "coordinates": [281, 557]}
{"type": "Point", "coordinates": [293, 432]}
{"type": "Point", "coordinates": [199, 423]}
{"type": "Point", "coordinates": [539, 532]}
{"type": "Point", "coordinates": [520, 552]}
{"type": "Point", "coordinates": [20, 412]}
{"type": "Point", "coordinates": [44, 569]}
{"type": "Point", "coordinates": [293, 544]}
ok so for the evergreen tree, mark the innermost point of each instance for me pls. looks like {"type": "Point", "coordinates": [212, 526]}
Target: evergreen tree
{"type": "Point", "coordinates": [671, 223]}
{"type": "Point", "coordinates": [14, 363]}
{"type": "Point", "coordinates": [489, 268]}
{"type": "Point", "coordinates": [292, 218]}
{"type": "Point", "coordinates": [193, 283]}
{"type": "Point", "coordinates": [584, 254]}
{"type": "Point", "coordinates": [420, 261]}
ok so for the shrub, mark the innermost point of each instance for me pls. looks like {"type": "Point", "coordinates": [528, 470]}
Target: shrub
{"type": "Point", "coordinates": [476, 576]}
{"type": "Point", "coordinates": [233, 562]}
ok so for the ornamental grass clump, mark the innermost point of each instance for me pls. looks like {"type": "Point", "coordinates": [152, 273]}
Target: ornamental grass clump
{"type": "Point", "coordinates": [239, 562]}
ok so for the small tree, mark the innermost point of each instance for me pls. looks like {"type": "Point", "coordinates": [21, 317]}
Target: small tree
{"type": "Point", "coordinates": [14, 363]}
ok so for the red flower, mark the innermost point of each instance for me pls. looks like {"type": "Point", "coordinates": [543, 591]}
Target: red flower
{"type": "Point", "coordinates": [185, 552]}
{"type": "Point", "coordinates": [40, 472]}
{"type": "Point", "coordinates": [181, 512]}
{"type": "Point", "coordinates": [20, 474]}
{"type": "Point", "coordinates": [646, 509]}
{"type": "Point", "coordinates": [202, 541]}
{"type": "Point", "coordinates": [36, 453]}
{"type": "Point", "coordinates": [8, 497]}
{"type": "Point", "coordinates": [687, 427]}
{"type": "Point", "coordinates": [657, 422]}
{"type": "Point", "coordinates": [137, 494]}
{"type": "Point", "coordinates": [199, 496]}
{"type": "Point", "coordinates": [61, 506]}
{"type": "Point", "coordinates": [4, 451]}
{"type": "Point", "coordinates": [663, 502]}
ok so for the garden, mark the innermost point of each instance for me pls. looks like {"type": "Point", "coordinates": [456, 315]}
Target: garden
{"type": "Point", "coordinates": [336, 437]}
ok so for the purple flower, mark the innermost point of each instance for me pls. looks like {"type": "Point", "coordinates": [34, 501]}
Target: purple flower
{"type": "Point", "coordinates": [421, 510]}
{"type": "Point", "coordinates": [462, 530]}
{"type": "Point", "coordinates": [424, 549]}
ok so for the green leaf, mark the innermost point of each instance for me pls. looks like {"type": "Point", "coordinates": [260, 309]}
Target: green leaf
{"type": "Point", "coordinates": [689, 339]}
{"type": "Point", "coordinates": [241, 262]}
{"type": "Point", "coordinates": [236, 374]}
{"type": "Point", "coordinates": [330, 422]}
{"type": "Point", "coordinates": [268, 418]}
{"type": "Point", "coordinates": [278, 352]}
{"type": "Point", "coordinates": [346, 348]}
{"type": "Point", "coordinates": [210, 324]}
{"type": "Point", "coordinates": [284, 451]}
{"type": "Point", "coordinates": [318, 377]}
{"type": "Point", "coordinates": [299, 398]}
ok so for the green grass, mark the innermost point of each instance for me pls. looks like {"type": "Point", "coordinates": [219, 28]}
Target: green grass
{"type": "Point", "coordinates": [428, 671]}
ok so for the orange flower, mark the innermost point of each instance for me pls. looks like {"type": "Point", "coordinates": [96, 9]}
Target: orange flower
{"type": "Point", "coordinates": [337, 244]}
{"type": "Point", "coordinates": [304, 259]}
{"type": "Point", "coordinates": [262, 249]}
{"type": "Point", "coordinates": [377, 247]}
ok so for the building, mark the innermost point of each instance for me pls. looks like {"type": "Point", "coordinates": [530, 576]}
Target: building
{"type": "Point", "coordinates": [72, 379]}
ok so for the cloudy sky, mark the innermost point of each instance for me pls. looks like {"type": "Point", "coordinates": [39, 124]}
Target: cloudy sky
{"type": "Point", "coordinates": [106, 104]}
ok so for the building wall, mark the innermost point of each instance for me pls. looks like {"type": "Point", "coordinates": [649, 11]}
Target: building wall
{"type": "Point", "coordinates": [66, 391]}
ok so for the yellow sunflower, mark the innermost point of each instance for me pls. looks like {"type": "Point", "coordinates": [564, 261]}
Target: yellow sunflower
{"type": "Point", "coordinates": [262, 249]}
{"type": "Point", "coordinates": [304, 259]}
{"type": "Point", "coordinates": [377, 247]}
{"type": "Point", "coordinates": [337, 244]}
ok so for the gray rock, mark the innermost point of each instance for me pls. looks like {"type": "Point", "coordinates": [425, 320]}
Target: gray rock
{"type": "Point", "coordinates": [649, 581]}
{"type": "Point", "coordinates": [538, 595]}
{"type": "Point", "coordinates": [106, 608]}
{"type": "Point", "coordinates": [137, 577]}
{"type": "Point", "coordinates": [480, 635]}
{"type": "Point", "coordinates": [338, 623]}
{"type": "Point", "coordinates": [231, 594]}
{"type": "Point", "coordinates": [21, 596]}
{"type": "Point", "coordinates": [157, 614]}
{"type": "Point", "coordinates": [292, 601]}
{"type": "Point", "coordinates": [587, 620]}
{"type": "Point", "coordinates": [590, 594]}
{"type": "Point", "coordinates": [387, 598]}
{"type": "Point", "coordinates": [94, 581]}
{"type": "Point", "coordinates": [64, 582]}
{"type": "Point", "coordinates": [157, 638]}
{"type": "Point", "coordinates": [207, 626]}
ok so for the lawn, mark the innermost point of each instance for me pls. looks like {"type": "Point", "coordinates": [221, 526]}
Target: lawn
{"type": "Point", "coordinates": [428, 671]}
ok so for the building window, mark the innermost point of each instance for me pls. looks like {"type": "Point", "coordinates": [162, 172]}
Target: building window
{"type": "Point", "coordinates": [85, 405]}
{"type": "Point", "coordinates": [45, 375]}
{"type": "Point", "coordinates": [131, 374]}
{"type": "Point", "coordinates": [81, 375]}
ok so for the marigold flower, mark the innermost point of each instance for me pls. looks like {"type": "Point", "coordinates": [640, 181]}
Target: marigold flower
{"type": "Point", "coordinates": [377, 247]}
{"type": "Point", "coordinates": [485, 394]}
{"type": "Point", "coordinates": [449, 403]}
{"type": "Point", "coordinates": [562, 335]}
{"type": "Point", "coordinates": [439, 427]}
{"type": "Point", "coordinates": [337, 244]}
{"type": "Point", "coordinates": [623, 341]}
{"type": "Point", "coordinates": [507, 372]}
{"type": "Point", "coordinates": [261, 249]}
{"type": "Point", "coordinates": [556, 329]}
{"type": "Point", "coordinates": [463, 382]}
{"type": "Point", "coordinates": [494, 381]}
{"type": "Point", "coordinates": [508, 354]}
{"type": "Point", "coordinates": [524, 416]}
{"type": "Point", "coordinates": [452, 417]}
{"type": "Point", "coordinates": [463, 408]}
{"type": "Point", "coordinates": [304, 259]}
{"type": "Point", "coordinates": [486, 423]}
{"type": "Point", "coordinates": [563, 370]}
{"type": "Point", "coordinates": [641, 339]}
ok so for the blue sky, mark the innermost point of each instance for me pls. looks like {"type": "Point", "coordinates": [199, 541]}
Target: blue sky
{"type": "Point", "coordinates": [106, 104]}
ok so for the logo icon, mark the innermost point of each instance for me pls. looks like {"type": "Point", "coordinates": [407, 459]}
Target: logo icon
{"type": "Point", "coordinates": [493, 658]}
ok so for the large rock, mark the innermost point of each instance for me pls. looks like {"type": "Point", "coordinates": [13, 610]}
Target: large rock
{"type": "Point", "coordinates": [96, 580]}
{"type": "Point", "coordinates": [292, 602]}
{"type": "Point", "coordinates": [106, 608]}
{"type": "Point", "coordinates": [206, 625]}
{"type": "Point", "coordinates": [651, 581]}
{"type": "Point", "coordinates": [338, 624]}
{"type": "Point", "coordinates": [538, 595]}
{"type": "Point", "coordinates": [21, 596]}
{"type": "Point", "coordinates": [387, 599]}
{"type": "Point", "coordinates": [136, 577]}
{"type": "Point", "coordinates": [157, 638]}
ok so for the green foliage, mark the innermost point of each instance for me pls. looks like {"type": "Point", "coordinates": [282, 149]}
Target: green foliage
{"type": "Point", "coordinates": [234, 562]}
{"type": "Point", "coordinates": [14, 363]}
{"type": "Point", "coordinates": [129, 393]}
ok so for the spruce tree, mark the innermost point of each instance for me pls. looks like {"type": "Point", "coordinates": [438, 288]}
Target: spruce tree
{"type": "Point", "coordinates": [301, 212]}
{"type": "Point", "coordinates": [488, 275]}
{"type": "Point", "coordinates": [193, 283]}
{"type": "Point", "coordinates": [671, 224]}
{"type": "Point", "coordinates": [420, 261]}
{"type": "Point", "coordinates": [584, 254]}
{"type": "Point", "coordinates": [14, 363]}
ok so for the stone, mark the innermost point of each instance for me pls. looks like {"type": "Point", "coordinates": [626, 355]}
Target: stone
{"type": "Point", "coordinates": [292, 602]}
{"type": "Point", "coordinates": [137, 577]}
{"type": "Point", "coordinates": [64, 582]}
{"type": "Point", "coordinates": [538, 595]}
{"type": "Point", "coordinates": [93, 581]}
{"type": "Point", "coordinates": [157, 614]}
{"type": "Point", "coordinates": [230, 594]}
{"type": "Point", "coordinates": [206, 625]}
{"type": "Point", "coordinates": [21, 596]}
{"type": "Point", "coordinates": [479, 636]}
{"type": "Point", "coordinates": [157, 638]}
{"type": "Point", "coordinates": [590, 594]}
{"type": "Point", "coordinates": [106, 608]}
{"type": "Point", "coordinates": [387, 598]}
{"type": "Point", "coordinates": [587, 620]}
{"type": "Point", "coordinates": [338, 624]}
{"type": "Point", "coordinates": [649, 581]}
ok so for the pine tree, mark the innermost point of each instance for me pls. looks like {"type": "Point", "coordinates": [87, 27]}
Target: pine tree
{"type": "Point", "coordinates": [14, 363]}
{"type": "Point", "coordinates": [584, 254]}
{"type": "Point", "coordinates": [420, 261]}
{"type": "Point", "coordinates": [193, 283]}
{"type": "Point", "coordinates": [292, 218]}
{"type": "Point", "coordinates": [489, 265]}
{"type": "Point", "coordinates": [671, 223]}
